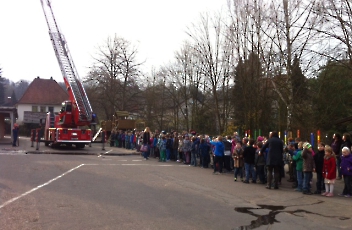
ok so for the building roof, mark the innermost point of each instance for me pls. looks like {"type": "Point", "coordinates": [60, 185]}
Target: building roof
{"type": "Point", "coordinates": [44, 92]}
{"type": "Point", "coordinates": [7, 110]}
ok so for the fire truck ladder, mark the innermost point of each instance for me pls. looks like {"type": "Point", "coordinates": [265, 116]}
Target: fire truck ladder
{"type": "Point", "coordinates": [66, 64]}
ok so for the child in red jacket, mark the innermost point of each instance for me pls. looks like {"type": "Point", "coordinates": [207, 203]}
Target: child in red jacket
{"type": "Point", "coordinates": [329, 171]}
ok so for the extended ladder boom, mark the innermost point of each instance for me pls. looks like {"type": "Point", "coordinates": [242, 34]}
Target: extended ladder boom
{"type": "Point", "coordinates": [68, 69]}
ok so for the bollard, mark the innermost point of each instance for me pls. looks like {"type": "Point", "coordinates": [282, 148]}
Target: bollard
{"type": "Point", "coordinates": [37, 139]}
{"type": "Point", "coordinates": [32, 137]}
{"type": "Point", "coordinates": [103, 139]}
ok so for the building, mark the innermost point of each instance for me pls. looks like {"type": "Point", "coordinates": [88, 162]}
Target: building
{"type": "Point", "coordinates": [42, 95]}
{"type": "Point", "coordinates": [6, 112]}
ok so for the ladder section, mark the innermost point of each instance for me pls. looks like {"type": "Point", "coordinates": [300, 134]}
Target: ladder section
{"type": "Point", "coordinates": [69, 74]}
{"type": "Point", "coordinates": [67, 66]}
{"type": "Point", "coordinates": [52, 120]}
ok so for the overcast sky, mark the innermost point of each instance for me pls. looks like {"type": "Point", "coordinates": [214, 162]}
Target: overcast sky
{"type": "Point", "coordinates": [156, 27]}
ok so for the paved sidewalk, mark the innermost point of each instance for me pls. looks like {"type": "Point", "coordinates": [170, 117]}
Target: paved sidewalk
{"type": "Point", "coordinates": [5, 141]}
{"type": "Point", "coordinates": [25, 146]}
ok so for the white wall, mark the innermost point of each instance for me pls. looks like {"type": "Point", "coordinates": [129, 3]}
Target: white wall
{"type": "Point", "coordinates": [28, 107]}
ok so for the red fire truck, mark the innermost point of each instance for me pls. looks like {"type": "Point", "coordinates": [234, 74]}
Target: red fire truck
{"type": "Point", "coordinates": [72, 124]}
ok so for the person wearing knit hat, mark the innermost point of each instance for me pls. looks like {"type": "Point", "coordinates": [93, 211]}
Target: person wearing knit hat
{"type": "Point", "coordinates": [308, 168]}
{"type": "Point", "coordinates": [307, 145]}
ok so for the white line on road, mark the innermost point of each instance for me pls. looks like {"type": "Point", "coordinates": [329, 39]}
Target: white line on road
{"type": "Point", "coordinates": [52, 180]}
{"type": "Point", "coordinates": [38, 187]}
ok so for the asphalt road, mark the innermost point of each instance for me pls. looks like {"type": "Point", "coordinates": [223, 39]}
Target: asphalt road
{"type": "Point", "coordinates": [122, 191]}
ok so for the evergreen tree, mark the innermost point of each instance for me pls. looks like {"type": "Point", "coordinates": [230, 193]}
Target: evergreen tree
{"type": "Point", "coordinates": [250, 97]}
{"type": "Point", "coordinates": [300, 117]}
{"type": "Point", "coordinates": [332, 96]}
{"type": "Point", "coordinates": [298, 81]}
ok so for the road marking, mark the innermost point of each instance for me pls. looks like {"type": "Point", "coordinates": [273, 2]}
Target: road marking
{"type": "Point", "coordinates": [67, 172]}
{"type": "Point", "coordinates": [38, 187]}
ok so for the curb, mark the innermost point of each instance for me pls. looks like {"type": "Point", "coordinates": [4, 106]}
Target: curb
{"type": "Point", "coordinates": [82, 153]}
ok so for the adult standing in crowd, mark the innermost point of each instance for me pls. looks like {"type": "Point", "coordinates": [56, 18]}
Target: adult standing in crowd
{"type": "Point", "coordinates": [15, 134]}
{"type": "Point", "coordinates": [204, 149]}
{"type": "Point", "coordinates": [146, 139]}
{"type": "Point", "coordinates": [236, 137]}
{"type": "Point", "coordinates": [249, 160]}
{"type": "Point", "coordinates": [218, 154]}
{"type": "Point", "coordinates": [168, 146]}
{"type": "Point", "coordinates": [227, 153]}
{"type": "Point", "coordinates": [175, 144]}
{"type": "Point", "coordinates": [274, 158]}
{"type": "Point", "coordinates": [187, 146]}
{"type": "Point", "coordinates": [180, 149]}
{"type": "Point", "coordinates": [237, 156]}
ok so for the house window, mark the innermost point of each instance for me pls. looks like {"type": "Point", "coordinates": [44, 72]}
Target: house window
{"type": "Point", "coordinates": [51, 109]}
{"type": "Point", "coordinates": [34, 108]}
{"type": "Point", "coordinates": [42, 109]}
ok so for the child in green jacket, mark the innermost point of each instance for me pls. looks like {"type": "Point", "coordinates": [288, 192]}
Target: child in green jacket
{"type": "Point", "coordinates": [299, 166]}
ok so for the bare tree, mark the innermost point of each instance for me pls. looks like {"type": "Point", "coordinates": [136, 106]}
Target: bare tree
{"type": "Point", "coordinates": [246, 31]}
{"type": "Point", "coordinates": [334, 25]}
{"type": "Point", "coordinates": [211, 50]}
{"type": "Point", "coordinates": [290, 38]}
{"type": "Point", "coordinates": [114, 76]}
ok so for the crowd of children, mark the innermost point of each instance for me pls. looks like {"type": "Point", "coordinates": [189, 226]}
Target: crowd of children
{"type": "Point", "coordinates": [248, 161]}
